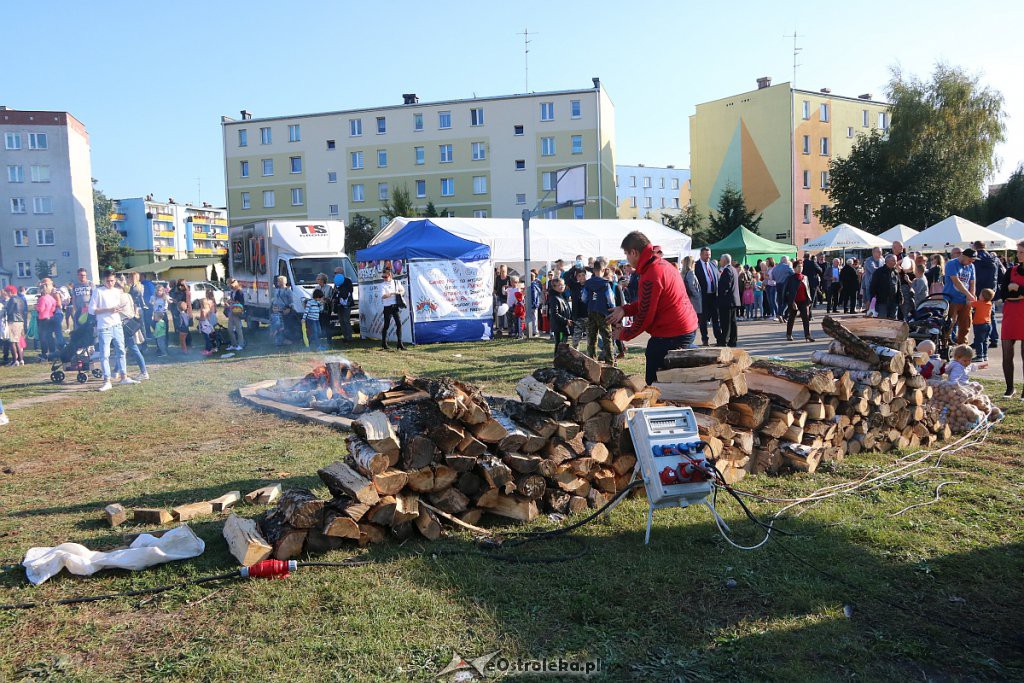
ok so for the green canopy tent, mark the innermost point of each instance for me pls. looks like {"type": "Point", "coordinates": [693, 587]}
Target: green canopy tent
{"type": "Point", "coordinates": [746, 247]}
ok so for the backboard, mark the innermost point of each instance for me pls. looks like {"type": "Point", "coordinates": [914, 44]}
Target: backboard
{"type": "Point", "coordinates": [571, 185]}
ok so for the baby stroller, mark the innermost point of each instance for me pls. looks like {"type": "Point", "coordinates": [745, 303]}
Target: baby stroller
{"type": "Point", "coordinates": [76, 356]}
{"type": "Point", "coordinates": [220, 338]}
{"type": "Point", "coordinates": [931, 321]}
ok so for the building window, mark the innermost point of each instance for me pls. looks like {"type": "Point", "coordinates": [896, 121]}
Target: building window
{"type": "Point", "coordinates": [298, 198]}
{"type": "Point", "coordinates": [577, 144]}
{"type": "Point", "coordinates": [807, 179]}
{"type": "Point", "coordinates": [268, 167]}
{"type": "Point", "coordinates": [12, 140]}
{"type": "Point", "coordinates": [382, 158]}
{"type": "Point", "coordinates": [296, 164]}
{"type": "Point", "coordinates": [632, 181]}
{"type": "Point", "coordinates": [265, 137]}
{"type": "Point", "coordinates": [21, 238]}
{"type": "Point", "coordinates": [647, 202]}
{"type": "Point", "coordinates": [421, 156]}
{"type": "Point", "coordinates": [577, 212]}
{"type": "Point", "coordinates": [807, 144]}
{"type": "Point", "coordinates": [517, 129]}
{"type": "Point", "coordinates": [447, 187]}
{"type": "Point", "coordinates": [382, 191]}
{"type": "Point", "coordinates": [268, 199]}
{"type": "Point", "coordinates": [807, 213]}
{"type": "Point", "coordinates": [44, 237]}
{"type": "Point", "coordinates": [548, 180]}
{"type": "Point", "coordinates": [479, 184]}
{"type": "Point", "coordinates": [42, 205]}
{"type": "Point", "coordinates": [446, 153]}
{"type": "Point", "coordinates": [16, 174]}
{"type": "Point", "coordinates": [479, 151]}
{"type": "Point", "coordinates": [332, 176]}
{"type": "Point", "coordinates": [675, 183]}
{"type": "Point", "coordinates": [243, 171]}
{"type": "Point", "coordinates": [647, 181]}
{"type": "Point", "coordinates": [17, 205]}
{"type": "Point", "coordinates": [444, 119]}
{"type": "Point", "coordinates": [782, 235]}
{"type": "Point", "coordinates": [382, 125]}
{"type": "Point", "coordinates": [883, 120]}
{"type": "Point", "coordinates": [24, 269]}
{"type": "Point", "coordinates": [547, 111]}
{"type": "Point", "coordinates": [520, 199]}
{"type": "Point", "coordinates": [37, 141]}
{"type": "Point", "coordinates": [547, 147]}
{"type": "Point", "coordinates": [293, 133]}
{"type": "Point", "coordinates": [476, 117]}
{"type": "Point", "coordinates": [357, 160]}
{"type": "Point", "coordinates": [330, 144]}
{"type": "Point", "coordinates": [355, 127]}
{"type": "Point", "coordinates": [806, 109]}
{"type": "Point", "coordinates": [358, 194]}
{"type": "Point", "coordinates": [824, 112]}
{"type": "Point", "coordinates": [417, 121]}
{"type": "Point", "coordinates": [865, 119]}
{"type": "Point", "coordinates": [243, 137]}
{"type": "Point", "coordinates": [675, 202]}
{"type": "Point", "coordinates": [663, 202]}
{"type": "Point", "coordinates": [824, 180]}
{"type": "Point", "coordinates": [632, 202]}
{"type": "Point", "coordinates": [575, 110]}
{"type": "Point", "coordinates": [421, 188]}
{"type": "Point", "coordinates": [849, 131]}
{"type": "Point", "coordinates": [661, 183]}
{"type": "Point", "coordinates": [332, 210]}
{"type": "Point", "coordinates": [520, 164]}
{"type": "Point", "coordinates": [824, 147]}
{"type": "Point", "coordinates": [246, 201]}
{"type": "Point", "coordinates": [479, 213]}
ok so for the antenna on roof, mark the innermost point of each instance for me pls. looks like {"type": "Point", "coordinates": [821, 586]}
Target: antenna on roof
{"type": "Point", "coordinates": [526, 56]}
{"type": "Point", "coordinates": [796, 51]}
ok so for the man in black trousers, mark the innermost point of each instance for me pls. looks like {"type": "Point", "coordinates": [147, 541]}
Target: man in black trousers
{"type": "Point", "coordinates": [728, 301]}
{"type": "Point", "coordinates": [707, 277]}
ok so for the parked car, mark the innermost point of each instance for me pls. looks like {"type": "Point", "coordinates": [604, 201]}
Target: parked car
{"type": "Point", "coordinates": [197, 292]}
{"type": "Point", "coordinates": [32, 296]}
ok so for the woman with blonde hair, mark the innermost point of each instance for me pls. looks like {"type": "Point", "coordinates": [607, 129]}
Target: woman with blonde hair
{"type": "Point", "coordinates": [692, 287]}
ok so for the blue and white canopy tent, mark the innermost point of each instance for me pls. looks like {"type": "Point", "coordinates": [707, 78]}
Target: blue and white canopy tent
{"type": "Point", "coordinates": [448, 284]}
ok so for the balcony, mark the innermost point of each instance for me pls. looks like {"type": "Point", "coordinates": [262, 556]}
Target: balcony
{"type": "Point", "coordinates": [117, 216]}
{"type": "Point", "coordinates": [220, 221]}
{"type": "Point", "coordinates": [169, 218]}
{"type": "Point", "coordinates": [164, 233]}
{"type": "Point", "coordinates": [164, 250]}
{"type": "Point", "coordinates": [202, 250]}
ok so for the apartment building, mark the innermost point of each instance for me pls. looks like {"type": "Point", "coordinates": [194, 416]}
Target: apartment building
{"type": "Point", "coordinates": [653, 192]}
{"type": "Point", "coordinates": [161, 231]}
{"type": "Point", "coordinates": [46, 209]}
{"type": "Point", "coordinates": [774, 144]}
{"type": "Point", "coordinates": [480, 157]}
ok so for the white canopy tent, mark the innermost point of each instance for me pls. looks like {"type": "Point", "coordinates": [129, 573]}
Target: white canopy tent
{"type": "Point", "coordinates": [898, 233]}
{"type": "Point", "coordinates": [956, 232]}
{"type": "Point", "coordinates": [842, 237]}
{"type": "Point", "coordinates": [1009, 227]}
{"type": "Point", "coordinates": [553, 239]}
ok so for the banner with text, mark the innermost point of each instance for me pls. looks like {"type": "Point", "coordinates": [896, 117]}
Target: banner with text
{"type": "Point", "coordinates": [451, 300]}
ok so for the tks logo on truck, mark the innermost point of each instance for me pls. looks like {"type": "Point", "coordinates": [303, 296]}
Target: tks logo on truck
{"type": "Point", "coordinates": [312, 230]}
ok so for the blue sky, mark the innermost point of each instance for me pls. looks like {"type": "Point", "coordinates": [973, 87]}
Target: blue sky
{"type": "Point", "coordinates": [151, 80]}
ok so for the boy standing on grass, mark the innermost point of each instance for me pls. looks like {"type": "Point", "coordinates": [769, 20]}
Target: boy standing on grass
{"type": "Point", "coordinates": [311, 316]}
{"type": "Point", "coordinates": [981, 319]}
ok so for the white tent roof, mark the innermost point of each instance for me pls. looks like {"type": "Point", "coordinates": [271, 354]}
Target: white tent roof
{"type": "Point", "coordinates": [956, 232]}
{"type": "Point", "coordinates": [552, 239]}
{"type": "Point", "coordinates": [898, 232]}
{"type": "Point", "coordinates": [1009, 227]}
{"type": "Point", "coordinates": [844, 236]}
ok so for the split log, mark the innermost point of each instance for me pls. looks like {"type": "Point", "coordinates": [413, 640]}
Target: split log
{"type": "Point", "coordinates": [370, 533]}
{"type": "Point", "coordinates": [695, 394]}
{"type": "Point", "coordinates": [339, 525]}
{"type": "Point", "coordinates": [837, 361]}
{"type": "Point", "coordinates": [472, 447]}
{"type": "Point", "coordinates": [513, 507]}
{"type": "Point", "coordinates": [700, 373]}
{"type": "Point", "coordinates": [523, 464]}
{"type": "Point", "coordinates": [889, 332]}
{"type": "Point", "coordinates": [557, 500]}
{"type": "Point", "coordinates": [579, 364]}
{"type": "Point", "coordinates": [301, 509]}
{"type": "Point", "coordinates": [227, 501]}
{"type": "Point", "coordinates": [378, 432]}
{"type": "Point", "coordinates": [539, 395]}
{"type": "Point", "coordinates": [407, 508]}
{"type": "Point", "coordinates": [691, 358]}
{"type": "Point", "coordinates": [184, 513]}
{"type": "Point", "coordinates": [818, 381]}
{"type": "Point", "coordinates": [596, 451]}
{"type": "Point", "coordinates": [456, 400]}
{"type": "Point", "coordinates": [598, 428]}
{"type": "Point", "coordinates": [431, 479]}
{"type": "Point", "coordinates": [737, 385]}
{"type": "Point", "coordinates": [286, 540]}
{"type": "Point", "coordinates": [390, 481]}
{"type": "Point", "coordinates": [427, 524]}
{"type": "Point", "coordinates": [115, 514]}
{"type": "Point", "coordinates": [460, 463]}
{"type": "Point", "coordinates": [616, 400]}
{"type": "Point", "coordinates": [544, 425]}
{"type": "Point", "coordinates": [417, 451]}
{"type": "Point", "coordinates": [383, 513]}
{"type": "Point", "coordinates": [151, 516]}
{"type": "Point", "coordinates": [470, 483]}
{"type": "Point", "coordinates": [568, 430]}
{"type": "Point", "coordinates": [578, 504]}
{"type": "Point", "coordinates": [624, 464]}
{"type": "Point", "coordinates": [491, 430]}
{"type": "Point", "coordinates": [782, 390]}
{"type": "Point", "coordinates": [582, 412]}
{"type": "Point", "coordinates": [264, 496]}
{"type": "Point", "coordinates": [531, 486]}
{"type": "Point", "coordinates": [244, 540]}
{"type": "Point", "coordinates": [497, 474]}
{"type": "Point", "coordinates": [565, 382]}
{"type": "Point", "coordinates": [342, 480]}
{"type": "Point", "coordinates": [447, 436]}
{"type": "Point", "coordinates": [854, 345]}
{"type": "Point", "coordinates": [593, 392]}
{"type": "Point", "coordinates": [450, 500]}
{"type": "Point", "coordinates": [366, 459]}
{"type": "Point", "coordinates": [800, 457]}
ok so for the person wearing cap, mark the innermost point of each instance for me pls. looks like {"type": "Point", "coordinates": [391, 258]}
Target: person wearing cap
{"type": "Point", "coordinates": [959, 288]}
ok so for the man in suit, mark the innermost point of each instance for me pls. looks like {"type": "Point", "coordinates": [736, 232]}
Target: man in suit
{"type": "Point", "coordinates": [707, 277]}
{"type": "Point", "coordinates": [813, 273]}
{"type": "Point", "coordinates": [727, 300]}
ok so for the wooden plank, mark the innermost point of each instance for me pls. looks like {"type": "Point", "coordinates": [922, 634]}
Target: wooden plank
{"type": "Point", "coordinates": [115, 514]}
{"type": "Point", "coordinates": [184, 513]}
{"type": "Point", "coordinates": [265, 495]}
{"type": "Point", "coordinates": [151, 516]}
{"type": "Point", "coordinates": [788, 393]}
{"type": "Point", "coordinates": [226, 502]}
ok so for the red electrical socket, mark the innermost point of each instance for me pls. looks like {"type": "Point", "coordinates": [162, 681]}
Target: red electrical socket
{"type": "Point", "coordinates": [669, 476]}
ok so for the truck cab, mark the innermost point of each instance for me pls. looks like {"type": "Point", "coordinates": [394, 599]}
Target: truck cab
{"type": "Point", "coordinates": [301, 272]}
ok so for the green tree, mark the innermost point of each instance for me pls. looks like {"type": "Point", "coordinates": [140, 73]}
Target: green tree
{"type": "Point", "coordinates": [690, 221]}
{"type": "Point", "coordinates": [358, 233]}
{"type": "Point", "coordinates": [430, 211]}
{"type": "Point", "coordinates": [109, 251]}
{"type": "Point", "coordinates": [731, 213]}
{"type": "Point", "coordinates": [930, 163]}
{"type": "Point", "coordinates": [399, 204]}
{"type": "Point", "coordinates": [43, 269]}
{"type": "Point", "coordinates": [1007, 200]}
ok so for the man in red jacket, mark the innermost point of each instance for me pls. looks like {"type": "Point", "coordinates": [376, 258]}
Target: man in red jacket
{"type": "Point", "coordinates": [662, 308]}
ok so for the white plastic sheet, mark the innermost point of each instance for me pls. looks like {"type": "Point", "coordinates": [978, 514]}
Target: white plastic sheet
{"type": "Point", "coordinates": [145, 551]}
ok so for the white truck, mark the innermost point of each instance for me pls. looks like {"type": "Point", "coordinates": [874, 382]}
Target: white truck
{"type": "Point", "coordinates": [298, 250]}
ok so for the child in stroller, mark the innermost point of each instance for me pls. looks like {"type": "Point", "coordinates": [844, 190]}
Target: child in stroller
{"type": "Point", "coordinates": [930, 320]}
{"type": "Point", "coordinates": [76, 356]}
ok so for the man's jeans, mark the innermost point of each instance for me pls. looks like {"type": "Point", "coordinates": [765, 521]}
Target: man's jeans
{"type": "Point", "coordinates": [658, 348]}
{"type": "Point", "coordinates": [114, 333]}
{"type": "Point", "coordinates": [345, 320]}
{"type": "Point", "coordinates": [887, 309]}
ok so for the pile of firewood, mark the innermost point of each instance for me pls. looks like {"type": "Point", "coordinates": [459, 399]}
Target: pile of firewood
{"type": "Point", "coordinates": [760, 416]}
{"type": "Point", "coordinates": [431, 452]}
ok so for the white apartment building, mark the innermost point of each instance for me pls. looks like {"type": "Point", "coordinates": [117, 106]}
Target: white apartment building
{"type": "Point", "coordinates": [46, 210]}
{"type": "Point", "coordinates": [482, 157]}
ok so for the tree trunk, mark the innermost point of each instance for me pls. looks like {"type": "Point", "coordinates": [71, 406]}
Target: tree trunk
{"type": "Point", "coordinates": [579, 364]}
{"type": "Point", "coordinates": [818, 381]}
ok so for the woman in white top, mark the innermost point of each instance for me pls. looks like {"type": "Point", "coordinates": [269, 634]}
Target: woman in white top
{"type": "Point", "coordinates": [390, 291]}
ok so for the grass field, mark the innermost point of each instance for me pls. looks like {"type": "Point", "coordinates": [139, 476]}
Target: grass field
{"type": "Point", "coordinates": [934, 593]}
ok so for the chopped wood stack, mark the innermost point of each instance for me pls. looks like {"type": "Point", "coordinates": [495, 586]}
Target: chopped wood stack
{"type": "Point", "coordinates": [435, 452]}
